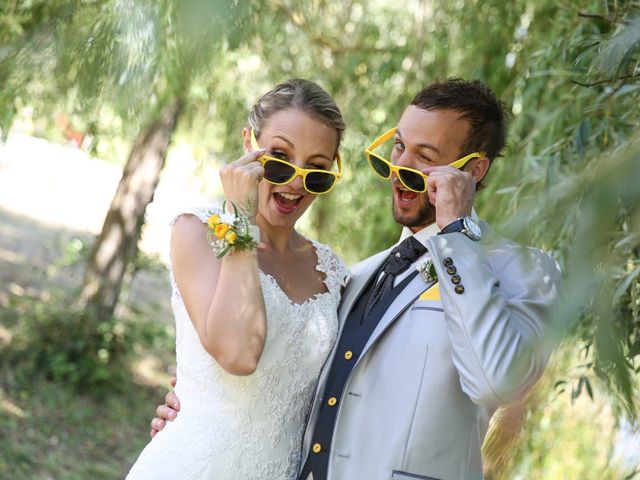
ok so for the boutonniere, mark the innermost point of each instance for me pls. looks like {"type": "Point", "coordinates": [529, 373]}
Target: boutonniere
{"type": "Point", "coordinates": [427, 271]}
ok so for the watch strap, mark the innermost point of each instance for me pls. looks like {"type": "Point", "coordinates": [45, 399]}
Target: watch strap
{"type": "Point", "coordinates": [455, 226]}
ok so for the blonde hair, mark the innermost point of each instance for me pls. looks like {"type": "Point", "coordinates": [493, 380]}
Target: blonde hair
{"type": "Point", "coordinates": [300, 94]}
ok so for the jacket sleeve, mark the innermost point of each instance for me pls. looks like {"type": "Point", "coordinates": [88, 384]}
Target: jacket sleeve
{"type": "Point", "coordinates": [499, 318]}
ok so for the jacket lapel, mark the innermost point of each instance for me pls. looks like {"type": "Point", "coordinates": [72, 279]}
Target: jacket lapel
{"type": "Point", "coordinates": [410, 294]}
{"type": "Point", "coordinates": [357, 283]}
{"type": "Point", "coordinates": [405, 299]}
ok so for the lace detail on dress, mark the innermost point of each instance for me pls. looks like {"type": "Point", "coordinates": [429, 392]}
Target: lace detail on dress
{"type": "Point", "coordinates": [200, 212]}
{"type": "Point", "coordinates": [251, 427]}
{"type": "Point", "coordinates": [337, 273]}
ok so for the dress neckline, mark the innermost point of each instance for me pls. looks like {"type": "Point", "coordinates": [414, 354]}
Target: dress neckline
{"type": "Point", "coordinates": [320, 267]}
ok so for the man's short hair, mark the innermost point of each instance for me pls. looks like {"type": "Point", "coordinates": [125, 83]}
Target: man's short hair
{"type": "Point", "coordinates": [476, 103]}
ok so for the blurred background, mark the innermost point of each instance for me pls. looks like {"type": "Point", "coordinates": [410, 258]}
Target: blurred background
{"type": "Point", "coordinates": [116, 114]}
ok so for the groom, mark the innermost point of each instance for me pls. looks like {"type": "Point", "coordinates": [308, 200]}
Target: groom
{"type": "Point", "coordinates": [439, 331]}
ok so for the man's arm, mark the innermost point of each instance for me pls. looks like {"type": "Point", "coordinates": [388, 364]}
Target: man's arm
{"type": "Point", "coordinates": [497, 299]}
{"type": "Point", "coordinates": [500, 321]}
{"type": "Point", "coordinates": [168, 411]}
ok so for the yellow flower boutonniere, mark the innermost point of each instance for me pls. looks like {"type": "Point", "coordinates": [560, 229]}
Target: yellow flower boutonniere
{"type": "Point", "coordinates": [428, 271]}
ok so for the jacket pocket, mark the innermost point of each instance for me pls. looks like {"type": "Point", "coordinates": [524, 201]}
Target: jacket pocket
{"type": "Point", "coordinates": [396, 475]}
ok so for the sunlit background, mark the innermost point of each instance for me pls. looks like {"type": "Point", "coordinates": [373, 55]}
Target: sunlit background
{"type": "Point", "coordinates": [163, 88]}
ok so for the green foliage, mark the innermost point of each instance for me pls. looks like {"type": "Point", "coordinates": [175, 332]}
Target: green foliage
{"type": "Point", "coordinates": [100, 60]}
{"type": "Point", "coordinates": [576, 145]}
{"type": "Point", "coordinates": [64, 344]}
{"type": "Point", "coordinates": [573, 439]}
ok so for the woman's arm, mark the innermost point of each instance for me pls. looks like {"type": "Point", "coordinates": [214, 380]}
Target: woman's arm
{"type": "Point", "coordinates": [223, 297]}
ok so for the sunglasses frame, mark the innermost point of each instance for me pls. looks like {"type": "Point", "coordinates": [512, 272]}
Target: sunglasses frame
{"type": "Point", "coordinates": [297, 171]}
{"type": "Point", "coordinates": [368, 152]}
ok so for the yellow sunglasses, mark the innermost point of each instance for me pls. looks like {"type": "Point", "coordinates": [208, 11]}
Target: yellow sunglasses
{"type": "Point", "coordinates": [281, 172]}
{"type": "Point", "coordinates": [412, 179]}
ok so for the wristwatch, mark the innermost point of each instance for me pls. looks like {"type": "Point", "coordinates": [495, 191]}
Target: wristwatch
{"type": "Point", "coordinates": [465, 225]}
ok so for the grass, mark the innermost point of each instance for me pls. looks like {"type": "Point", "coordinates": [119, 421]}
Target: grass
{"type": "Point", "coordinates": [51, 431]}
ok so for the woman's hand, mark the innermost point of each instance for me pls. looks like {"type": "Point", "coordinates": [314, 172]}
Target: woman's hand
{"type": "Point", "coordinates": [240, 181]}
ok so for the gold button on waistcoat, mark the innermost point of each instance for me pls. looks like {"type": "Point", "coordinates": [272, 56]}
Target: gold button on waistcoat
{"type": "Point", "coordinates": [317, 447]}
{"type": "Point", "coordinates": [332, 401]}
{"type": "Point", "coordinates": [348, 354]}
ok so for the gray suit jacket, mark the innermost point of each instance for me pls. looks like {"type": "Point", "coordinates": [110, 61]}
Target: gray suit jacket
{"type": "Point", "coordinates": [418, 401]}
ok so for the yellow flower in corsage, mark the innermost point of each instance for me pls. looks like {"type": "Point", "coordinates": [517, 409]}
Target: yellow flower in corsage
{"type": "Point", "coordinates": [214, 220]}
{"type": "Point", "coordinates": [231, 237]}
{"type": "Point", "coordinates": [221, 230]}
{"type": "Point", "coordinates": [231, 231]}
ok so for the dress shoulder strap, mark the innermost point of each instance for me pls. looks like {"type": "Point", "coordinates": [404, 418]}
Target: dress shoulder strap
{"type": "Point", "coordinates": [332, 266]}
{"type": "Point", "coordinates": [202, 213]}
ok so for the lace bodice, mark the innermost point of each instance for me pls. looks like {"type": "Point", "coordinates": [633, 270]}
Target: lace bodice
{"type": "Point", "coordinates": [248, 427]}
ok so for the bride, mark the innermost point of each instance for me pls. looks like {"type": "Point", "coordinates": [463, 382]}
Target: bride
{"type": "Point", "coordinates": [254, 327]}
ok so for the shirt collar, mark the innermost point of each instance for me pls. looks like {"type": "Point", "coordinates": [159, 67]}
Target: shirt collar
{"type": "Point", "coordinates": [429, 231]}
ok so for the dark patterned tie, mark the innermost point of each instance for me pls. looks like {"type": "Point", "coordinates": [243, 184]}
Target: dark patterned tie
{"type": "Point", "coordinates": [400, 258]}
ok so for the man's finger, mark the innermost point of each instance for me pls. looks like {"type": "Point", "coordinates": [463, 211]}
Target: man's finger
{"type": "Point", "coordinates": [165, 412]}
{"type": "Point", "coordinates": [157, 424]}
{"type": "Point", "coordinates": [173, 381]}
{"type": "Point", "coordinates": [438, 169]}
{"type": "Point", "coordinates": [172, 400]}
{"type": "Point", "coordinates": [431, 192]}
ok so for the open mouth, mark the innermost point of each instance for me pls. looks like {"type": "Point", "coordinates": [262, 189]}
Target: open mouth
{"type": "Point", "coordinates": [286, 203]}
{"type": "Point", "coordinates": [404, 197]}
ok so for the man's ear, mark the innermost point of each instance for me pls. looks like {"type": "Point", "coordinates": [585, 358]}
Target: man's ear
{"type": "Point", "coordinates": [246, 140]}
{"type": "Point", "coordinates": [479, 168]}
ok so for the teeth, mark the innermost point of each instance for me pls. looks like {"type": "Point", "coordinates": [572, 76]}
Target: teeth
{"type": "Point", "coordinates": [290, 196]}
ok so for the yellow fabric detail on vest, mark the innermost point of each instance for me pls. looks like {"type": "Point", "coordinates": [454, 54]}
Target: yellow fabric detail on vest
{"type": "Point", "coordinates": [432, 293]}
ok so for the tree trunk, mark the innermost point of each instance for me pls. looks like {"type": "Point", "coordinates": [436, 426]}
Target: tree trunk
{"type": "Point", "coordinates": [116, 247]}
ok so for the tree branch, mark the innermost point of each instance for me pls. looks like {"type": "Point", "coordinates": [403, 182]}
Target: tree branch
{"type": "Point", "coordinates": [602, 82]}
{"type": "Point", "coordinates": [604, 18]}
{"type": "Point", "coordinates": [596, 16]}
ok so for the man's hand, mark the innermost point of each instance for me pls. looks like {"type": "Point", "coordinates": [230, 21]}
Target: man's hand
{"type": "Point", "coordinates": [168, 411]}
{"type": "Point", "coordinates": [451, 192]}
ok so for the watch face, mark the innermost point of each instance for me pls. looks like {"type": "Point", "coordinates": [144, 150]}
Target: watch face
{"type": "Point", "coordinates": [473, 230]}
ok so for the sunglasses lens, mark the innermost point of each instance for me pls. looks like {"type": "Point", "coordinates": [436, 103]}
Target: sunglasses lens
{"type": "Point", "coordinates": [412, 180]}
{"type": "Point", "coordinates": [379, 166]}
{"type": "Point", "coordinates": [319, 182]}
{"type": "Point", "coordinates": [278, 172]}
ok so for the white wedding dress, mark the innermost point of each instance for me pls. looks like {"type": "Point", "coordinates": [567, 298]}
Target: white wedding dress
{"type": "Point", "coordinates": [247, 427]}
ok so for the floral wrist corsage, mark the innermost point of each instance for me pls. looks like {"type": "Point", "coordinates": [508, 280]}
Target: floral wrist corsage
{"type": "Point", "coordinates": [229, 231]}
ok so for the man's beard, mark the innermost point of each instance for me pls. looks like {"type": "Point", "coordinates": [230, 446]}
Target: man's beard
{"type": "Point", "coordinates": [426, 215]}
